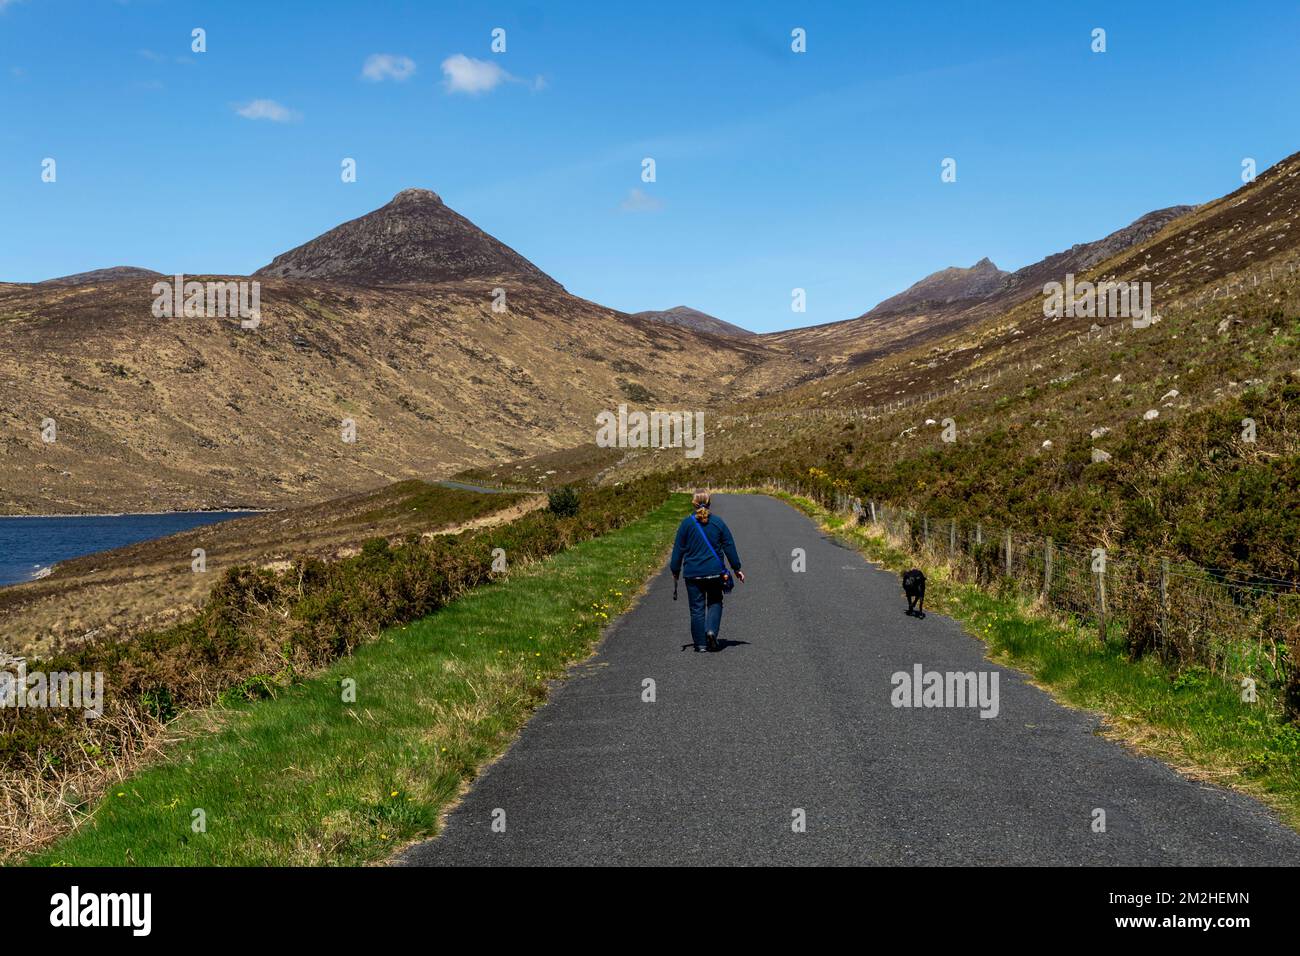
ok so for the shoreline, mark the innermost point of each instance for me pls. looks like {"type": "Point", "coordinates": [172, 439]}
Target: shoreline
{"type": "Point", "coordinates": [148, 514]}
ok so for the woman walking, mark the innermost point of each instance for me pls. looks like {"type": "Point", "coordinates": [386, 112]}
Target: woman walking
{"type": "Point", "coordinates": [702, 540]}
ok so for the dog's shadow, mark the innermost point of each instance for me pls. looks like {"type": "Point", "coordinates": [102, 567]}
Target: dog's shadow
{"type": "Point", "coordinates": [916, 614]}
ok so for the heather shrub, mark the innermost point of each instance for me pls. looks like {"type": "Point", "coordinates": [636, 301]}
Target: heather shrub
{"type": "Point", "coordinates": [563, 502]}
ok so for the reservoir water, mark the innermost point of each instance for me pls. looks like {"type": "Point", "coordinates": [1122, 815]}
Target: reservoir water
{"type": "Point", "coordinates": [29, 544]}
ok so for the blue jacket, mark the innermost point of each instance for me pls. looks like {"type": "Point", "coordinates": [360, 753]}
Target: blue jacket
{"type": "Point", "coordinates": [689, 549]}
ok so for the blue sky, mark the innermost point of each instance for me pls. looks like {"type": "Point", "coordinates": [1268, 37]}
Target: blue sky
{"type": "Point", "coordinates": [774, 170]}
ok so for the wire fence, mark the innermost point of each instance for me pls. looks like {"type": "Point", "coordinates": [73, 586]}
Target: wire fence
{"type": "Point", "coordinates": [1247, 633]}
{"type": "Point", "coordinates": [1264, 274]}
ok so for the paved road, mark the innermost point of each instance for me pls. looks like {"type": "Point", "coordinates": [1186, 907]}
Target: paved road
{"type": "Point", "coordinates": [795, 713]}
{"type": "Point", "coordinates": [484, 489]}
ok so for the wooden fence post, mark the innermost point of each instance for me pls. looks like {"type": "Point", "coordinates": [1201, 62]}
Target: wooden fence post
{"type": "Point", "coordinates": [1101, 602]}
{"type": "Point", "coordinates": [952, 537]}
{"type": "Point", "coordinates": [1008, 554]}
{"type": "Point", "coordinates": [1047, 570]}
{"type": "Point", "coordinates": [1164, 601]}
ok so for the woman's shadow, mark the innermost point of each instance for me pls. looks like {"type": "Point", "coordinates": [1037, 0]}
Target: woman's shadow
{"type": "Point", "coordinates": [723, 644]}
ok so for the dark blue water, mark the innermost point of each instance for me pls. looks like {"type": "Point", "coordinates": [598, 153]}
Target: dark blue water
{"type": "Point", "coordinates": [29, 544]}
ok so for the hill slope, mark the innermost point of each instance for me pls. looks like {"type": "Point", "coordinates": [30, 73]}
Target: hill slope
{"type": "Point", "coordinates": [111, 274]}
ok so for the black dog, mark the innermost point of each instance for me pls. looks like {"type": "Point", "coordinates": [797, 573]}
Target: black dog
{"type": "Point", "coordinates": [914, 588]}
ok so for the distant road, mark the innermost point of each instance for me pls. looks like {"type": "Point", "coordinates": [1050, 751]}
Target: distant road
{"type": "Point", "coordinates": [463, 486]}
{"type": "Point", "coordinates": [795, 714]}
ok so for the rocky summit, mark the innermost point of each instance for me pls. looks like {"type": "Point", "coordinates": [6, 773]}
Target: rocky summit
{"type": "Point", "coordinates": [414, 239]}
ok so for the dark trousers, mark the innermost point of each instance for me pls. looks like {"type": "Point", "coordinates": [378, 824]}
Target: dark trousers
{"type": "Point", "coordinates": [705, 596]}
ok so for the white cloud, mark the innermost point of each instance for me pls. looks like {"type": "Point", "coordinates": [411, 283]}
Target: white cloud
{"type": "Point", "coordinates": [267, 110]}
{"type": "Point", "coordinates": [465, 74]}
{"type": "Point", "coordinates": [638, 201]}
{"type": "Point", "coordinates": [387, 66]}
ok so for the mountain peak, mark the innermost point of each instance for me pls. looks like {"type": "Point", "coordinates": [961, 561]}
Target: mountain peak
{"type": "Point", "coordinates": [946, 287]}
{"type": "Point", "coordinates": [415, 196]}
{"type": "Point", "coordinates": [415, 238]}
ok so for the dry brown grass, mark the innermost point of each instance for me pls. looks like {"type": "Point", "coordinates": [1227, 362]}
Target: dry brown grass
{"type": "Point", "coordinates": [36, 809]}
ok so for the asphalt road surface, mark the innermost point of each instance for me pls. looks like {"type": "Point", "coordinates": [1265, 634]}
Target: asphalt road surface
{"type": "Point", "coordinates": [793, 719]}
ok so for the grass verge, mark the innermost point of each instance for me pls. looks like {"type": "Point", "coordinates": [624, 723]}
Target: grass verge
{"type": "Point", "coordinates": [309, 779]}
{"type": "Point", "coordinates": [1192, 720]}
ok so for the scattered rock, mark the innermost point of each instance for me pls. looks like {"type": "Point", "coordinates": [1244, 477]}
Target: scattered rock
{"type": "Point", "coordinates": [1099, 456]}
{"type": "Point", "coordinates": [1151, 414]}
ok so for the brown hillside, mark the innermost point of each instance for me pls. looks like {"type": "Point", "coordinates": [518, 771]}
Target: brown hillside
{"type": "Point", "coordinates": [194, 413]}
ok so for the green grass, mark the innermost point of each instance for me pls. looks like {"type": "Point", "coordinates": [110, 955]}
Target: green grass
{"type": "Point", "coordinates": [1191, 719]}
{"type": "Point", "coordinates": [307, 779]}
